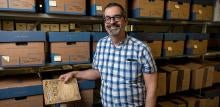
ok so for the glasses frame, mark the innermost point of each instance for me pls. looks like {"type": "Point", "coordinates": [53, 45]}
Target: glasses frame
{"type": "Point", "coordinates": [116, 18]}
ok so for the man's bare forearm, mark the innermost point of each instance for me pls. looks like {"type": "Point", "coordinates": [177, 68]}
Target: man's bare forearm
{"type": "Point", "coordinates": [90, 74]}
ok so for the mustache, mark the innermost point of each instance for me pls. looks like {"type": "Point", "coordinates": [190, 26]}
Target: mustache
{"type": "Point", "coordinates": [114, 24]}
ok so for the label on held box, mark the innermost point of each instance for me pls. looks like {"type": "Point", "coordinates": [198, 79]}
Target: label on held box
{"type": "Point", "coordinates": [6, 58]}
{"type": "Point", "coordinates": [57, 58]}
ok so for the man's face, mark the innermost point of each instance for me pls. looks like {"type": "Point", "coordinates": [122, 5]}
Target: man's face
{"type": "Point", "coordinates": [114, 21]}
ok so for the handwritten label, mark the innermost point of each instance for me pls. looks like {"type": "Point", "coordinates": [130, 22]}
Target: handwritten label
{"type": "Point", "coordinates": [52, 3]}
{"type": "Point", "coordinates": [57, 58]}
{"type": "Point", "coordinates": [6, 58]}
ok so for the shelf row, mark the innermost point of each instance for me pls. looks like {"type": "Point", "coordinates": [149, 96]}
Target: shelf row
{"type": "Point", "coordinates": [57, 48]}
{"type": "Point", "coordinates": [195, 10]}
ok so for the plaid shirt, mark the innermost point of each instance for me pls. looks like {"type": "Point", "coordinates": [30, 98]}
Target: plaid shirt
{"type": "Point", "coordinates": [121, 68]}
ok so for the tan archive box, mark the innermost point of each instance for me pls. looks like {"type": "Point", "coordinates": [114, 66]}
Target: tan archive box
{"type": "Point", "coordinates": [8, 25]}
{"type": "Point", "coordinates": [161, 84]}
{"type": "Point", "coordinates": [77, 7]}
{"type": "Point", "coordinates": [147, 8]}
{"type": "Point", "coordinates": [17, 91]}
{"type": "Point", "coordinates": [183, 77]}
{"type": "Point", "coordinates": [196, 43]}
{"type": "Point", "coordinates": [202, 12]}
{"type": "Point", "coordinates": [197, 73]}
{"type": "Point", "coordinates": [54, 27]}
{"type": "Point", "coordinates": [28, 101]}
{"type": "Point", "coordinates": [21, 4]}
{"type": "Point", "coordinates": [172, 103]}
{"type": "Point", "coordinates": [202, 102]}
{"type": "Point", "coordinates": [3, 3]}
{"type": "Point", "coordinates": [208, 75]}
{"type": "Point", "coordinates": [97, 6]}
{"type": "Point", "coordinates": [69, 47]}
{"type": "Point", "coordinates": [177, 10]}
{"type": "Point", "coordinates": [171, 78]}
{"type": "Point", "coordinates": [64, 27]}
{"type": "Point", "coordinates": [173, 44]}
{"type": "Point", "coordinates": [189, 100]}
{"type": "Point", "coordinates": [21, 26]}
{"type": "Point", "coordinates": [214, 102]}
{"type": "Point", "coordinates": [22, 48]}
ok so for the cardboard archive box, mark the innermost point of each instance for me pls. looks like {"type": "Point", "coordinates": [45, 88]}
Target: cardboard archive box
{"type": "Point", "coordinates": [69, 47]}
{"type": "Point", "coordinates": [202, 10]}
{"type": "Point", "coordinates": [177, 9]}
{"type": "Point", "coordinates": [18, 5]}
{"type": "Point", "coordinates": [183, 77]}
{"type": "Point", "coordinates": [171, 78]}
{"type": "Point", "coordinates": [153, 40]}
{"type": "Point", "coordinates": [22, 48]}
{"type": "Point", "coordinates": [74, 7]}
{"type": "Point", "coordinates": [161, 84]}
{"type": "Point", "coordinates": [17, 91]}
{"type": "Point", "coordinates": [147, 8]}
{"type": "Point", "coordinates": [173, 44]}
{"type": "Point", "coordinates": [196, 43]}
{"type": "Point", "coordinates": [97, 6]}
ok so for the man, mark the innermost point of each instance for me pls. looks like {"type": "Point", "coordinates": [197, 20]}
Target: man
{"type": "Point", "coordinates": [124, 64]}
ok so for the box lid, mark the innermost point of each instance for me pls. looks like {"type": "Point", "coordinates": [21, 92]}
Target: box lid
{"type": "Point", "coordinates": [197, 36]}
{"type": "Point", "coordinates": [68, 36]}
{"type": "Point", "coordinates": [147, 36]}
{"type": "Point", "coordinates": [96, 36]}
{"type": "Point", "coordinates": [22, 36]}
{"type": "Point", "coordinates": [174, 36]}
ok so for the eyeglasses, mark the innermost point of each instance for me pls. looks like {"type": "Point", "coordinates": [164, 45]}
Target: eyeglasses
{"type": "Point", "coordinates": [116, 18]}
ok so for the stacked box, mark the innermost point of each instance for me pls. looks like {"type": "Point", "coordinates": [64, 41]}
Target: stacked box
{"type": "Point", "coordinates": [17, 91]}
{"type": "Point", "coordinates": [189, 100]}
{"type": "Point", "coordinates": [74, 7]}
{"type": "Point", "coordinates": [97, 6]}
{"type": "Point", "coordinates": [177, 9]}
{"type": "Point", "coordinates": [202, 10]}
{"type": "Point", "coordinates": [183, 77]}
{"type": "Point", "coordinates": [217, 11]}
{"type": "Point", "coordinates": [147, 8]}
{"type": "Point", "coordinates": [18, 5]}
{"type": "Point", "coordinates": [69, 47]}
{"type": "Point", "coordinates": [173, 44]}
{"type": "Point", "coordinates": [96, 36]}
{"type": "Point", "coordinates": [214, 42]}
{"type": "Point", "coordinates": [153, 40]}
{"type": "Point", "coordinates": [172, 103]}
{"type": "Point", "coordinates": [196, 43]}
{"type": "Point", "coordinates": [22, 49]}
{"type": "Point", "coordinates": [161, 84]}
{"type": "Point", "coordinates": [171, 78]}
{"type": "Point", "coordinates": [8, 25]}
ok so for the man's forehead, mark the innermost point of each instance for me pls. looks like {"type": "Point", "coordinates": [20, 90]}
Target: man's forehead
{"type": "Point", "coordinates": [112, 11]}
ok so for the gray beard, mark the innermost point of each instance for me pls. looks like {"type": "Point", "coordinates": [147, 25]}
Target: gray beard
{"type": "Point", "coordinates": [114, 32]}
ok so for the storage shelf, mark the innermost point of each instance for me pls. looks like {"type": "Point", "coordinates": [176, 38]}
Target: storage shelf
{"type": "Point", "coordinates": [8, 15]}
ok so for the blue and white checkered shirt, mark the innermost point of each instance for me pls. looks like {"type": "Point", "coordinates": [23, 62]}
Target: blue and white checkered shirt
{"type": "Point", "coordinates": [121, 68]}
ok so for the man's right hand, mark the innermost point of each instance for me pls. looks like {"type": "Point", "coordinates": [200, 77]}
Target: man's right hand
{"type": "Point", "coordinates": [66, 77]}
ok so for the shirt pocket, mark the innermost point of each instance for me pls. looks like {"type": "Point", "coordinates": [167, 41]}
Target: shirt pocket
{"type": "Point", "coordinates": [132, 71]}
